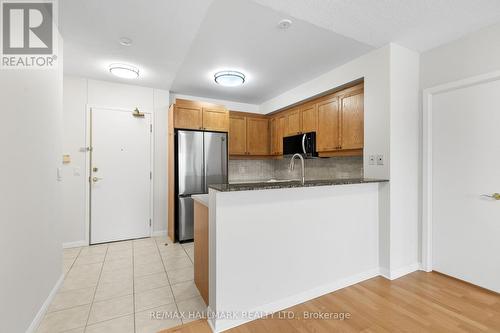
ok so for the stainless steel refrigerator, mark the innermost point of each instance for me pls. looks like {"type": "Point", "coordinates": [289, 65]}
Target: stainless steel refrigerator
{"type": "Point", "coordinates": [201, 160]}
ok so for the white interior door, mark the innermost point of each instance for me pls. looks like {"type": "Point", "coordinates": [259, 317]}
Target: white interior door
{"type": "Point", "coordinates": [120, 176]}
{"type": "Point", "coordinates": [466, 165]}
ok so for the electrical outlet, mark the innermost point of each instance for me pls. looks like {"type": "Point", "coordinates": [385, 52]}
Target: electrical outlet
{"type": "Point", "coordinates": [380, 159]}
{"type": "Point", "coordinates": [372, 160]}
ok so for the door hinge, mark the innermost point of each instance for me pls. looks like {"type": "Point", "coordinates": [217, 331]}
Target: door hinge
{"type": "Point", "coordinates": [150, 222]}
{"type": "Point", "coordinates": [151, 128]}
{"type": "Point", "coordinates": [150, 175]}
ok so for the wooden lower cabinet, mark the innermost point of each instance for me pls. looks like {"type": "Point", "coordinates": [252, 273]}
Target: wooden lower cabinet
{"type": "Point", "coordinates": [201, 249]}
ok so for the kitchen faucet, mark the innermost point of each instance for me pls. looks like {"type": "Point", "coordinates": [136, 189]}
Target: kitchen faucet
{"type": "Point", "coordinates": [292, 166]}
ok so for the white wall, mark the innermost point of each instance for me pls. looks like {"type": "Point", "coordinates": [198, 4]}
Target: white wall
{"type": "Point", "coordinates": [476, 53]}
{"type": "Point", "coordinates": [233, 106]}
{"type": "Point", "coordinates": [30, 195]}
{"type": "Point", "coordinates": [80, 93]}
{"type": "Point", "coordinates": [404, 161]}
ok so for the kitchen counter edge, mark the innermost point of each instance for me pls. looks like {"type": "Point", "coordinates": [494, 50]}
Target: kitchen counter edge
{"type": "Point", "coordinates": [308, 183]}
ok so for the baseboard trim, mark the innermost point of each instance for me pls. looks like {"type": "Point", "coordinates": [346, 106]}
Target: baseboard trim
{"type": "Point", "coordinates": [39, 316]}
{"type": "Point", "coordinates": [225, 324]}
{"type": "Point", "coordinates": [70, 245]}
{"type": "Point", "coordinates": [160, 233]}
{"type": "Point", "coordinates": [400, 272]}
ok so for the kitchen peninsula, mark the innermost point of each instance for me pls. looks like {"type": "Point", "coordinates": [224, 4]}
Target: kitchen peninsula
{"type": "Point", "coordinates": [274, 245]}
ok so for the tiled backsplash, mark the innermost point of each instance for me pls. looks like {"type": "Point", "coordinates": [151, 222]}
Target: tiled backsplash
{"type": "Point", "coordinates": [319, 168]}
{"type": "Point", "coordinates": [241, 171]}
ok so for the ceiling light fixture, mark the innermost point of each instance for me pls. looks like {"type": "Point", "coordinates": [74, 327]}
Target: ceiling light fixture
{"type": "Point", "coordinates": [285, 24]}
{"type": "Point", "coordinates": [124, 71]}
{"type": "Point", "coordinates": [229, 78]}
{"type": "Point", "coordinates": [125, 41]}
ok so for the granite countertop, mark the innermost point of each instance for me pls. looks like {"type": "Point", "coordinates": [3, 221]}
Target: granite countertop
{"type": "Point", "coordinates": [291, 184]}
{"type": "Point", "coordinates": [201, 198]}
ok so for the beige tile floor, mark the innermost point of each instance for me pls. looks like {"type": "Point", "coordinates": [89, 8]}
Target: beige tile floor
{"type": "Point", "coordinates": [121, 287]}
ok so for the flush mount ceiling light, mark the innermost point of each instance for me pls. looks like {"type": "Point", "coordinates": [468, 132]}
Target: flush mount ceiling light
{"type": "Point", "coordinates": [124, 71]}
{"type": "Point", "coordinates": [229, 78]}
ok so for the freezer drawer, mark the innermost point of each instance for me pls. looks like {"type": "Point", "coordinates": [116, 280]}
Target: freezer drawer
{"type": "Point", "coordinates": [185, 216]}
{"type": "Point", "coordinates": [190, 167]}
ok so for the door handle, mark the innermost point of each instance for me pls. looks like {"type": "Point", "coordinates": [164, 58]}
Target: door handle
{"type": "Point", "coordinates": [304, 144]}
{"type": "Point", "coordinates": [495, 196]}
{"type": "Point", "coordinates": [96, 179]}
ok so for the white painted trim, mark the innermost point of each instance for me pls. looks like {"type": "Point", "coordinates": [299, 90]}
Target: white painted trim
{"type": "Point", "coordinates": [400, 272]}
{"type": "Point", "coordinates": [70, 245]}
{"type": "Point", "coordinates": [302, 297]}
{"type": "Point", "coordinates": [39, 316]}
{"type": "Point", "coordinates": [88, 124]}
{"type": "Point", "coordinates": [210, 321]}
{"type": "Point", "coordinates": [427, 156]}
{"type": "Point", "coordinates": [159, 233]}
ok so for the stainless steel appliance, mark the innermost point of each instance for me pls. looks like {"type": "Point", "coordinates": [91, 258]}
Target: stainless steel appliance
{"type": "Point", "coordinates": [201, 160]}
{"type": "Point", "coordinates": [304, 144]}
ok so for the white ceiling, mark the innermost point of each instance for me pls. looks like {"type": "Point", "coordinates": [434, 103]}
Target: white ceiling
{"type": "Point", "coordinates": [179, 44]}
{"type": "Point", "coordinates": [243, 35]}
{"type": "Point", "coordinates": [416, 24]}
{"type": "Point", "coordinates": [162, 32]}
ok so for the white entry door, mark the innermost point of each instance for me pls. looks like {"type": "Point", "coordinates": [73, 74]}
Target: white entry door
{"type": "Point", "coordinates": [120, 176]}
{"type": "Point", "coordinates": [466, 166]}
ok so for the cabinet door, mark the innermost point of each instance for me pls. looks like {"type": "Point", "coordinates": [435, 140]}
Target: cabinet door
{"type": "Point", "coordinates": [280, 128]}
{"type": "Point", "coordinates": [257, 136]}
{"type": "Point", "coordinates": [309, 119]}
{"type": "Point", "coordinates": [215, 119]}
{"type": "Point", "coordinates": [274, 136]}
{"type": "Point", "coordinates": [293, 123]}
{"type": "Point", "coordinates": [237, 135]}
{"type": "Point", "coordinates": [352, 123]}
{"type": "Point", "coordinates": [187, 118]}
{"type": "Point", "coordinates": [327, 138]}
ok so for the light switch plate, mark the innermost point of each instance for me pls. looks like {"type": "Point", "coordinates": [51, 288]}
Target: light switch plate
{"type": "Point", "coordinates": [372, 160]}
{"type": "Point", "coordinates": [380, 159]}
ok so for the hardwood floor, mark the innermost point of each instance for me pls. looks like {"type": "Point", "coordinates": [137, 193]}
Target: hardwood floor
{"type": "Point", "coordinates": [418, 302]}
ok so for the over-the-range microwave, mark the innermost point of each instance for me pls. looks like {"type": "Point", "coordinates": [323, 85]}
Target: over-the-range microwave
{"type": "Point", "coordinates": [304, 144]}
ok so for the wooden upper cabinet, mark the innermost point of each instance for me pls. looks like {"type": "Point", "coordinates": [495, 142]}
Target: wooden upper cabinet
{"type": "Point", "coordinates": [328, 134]}
{"type": "Point", "coordinates": [237, 135]}
{"type": "Point", "coordinates": [188, 117]}
{"type": "Point", "coordinates": [309, 119]}
{"type": "Point", "coordinates": [257, 136]}
{"type": "Point", "coordinates": [352, 123]}
{"type": "Point", "coordinates": [293, 122]}
{"type": "Point", "coordinates": [273, 135]}
{"type": "Point", "coordinates": [215, 119]}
